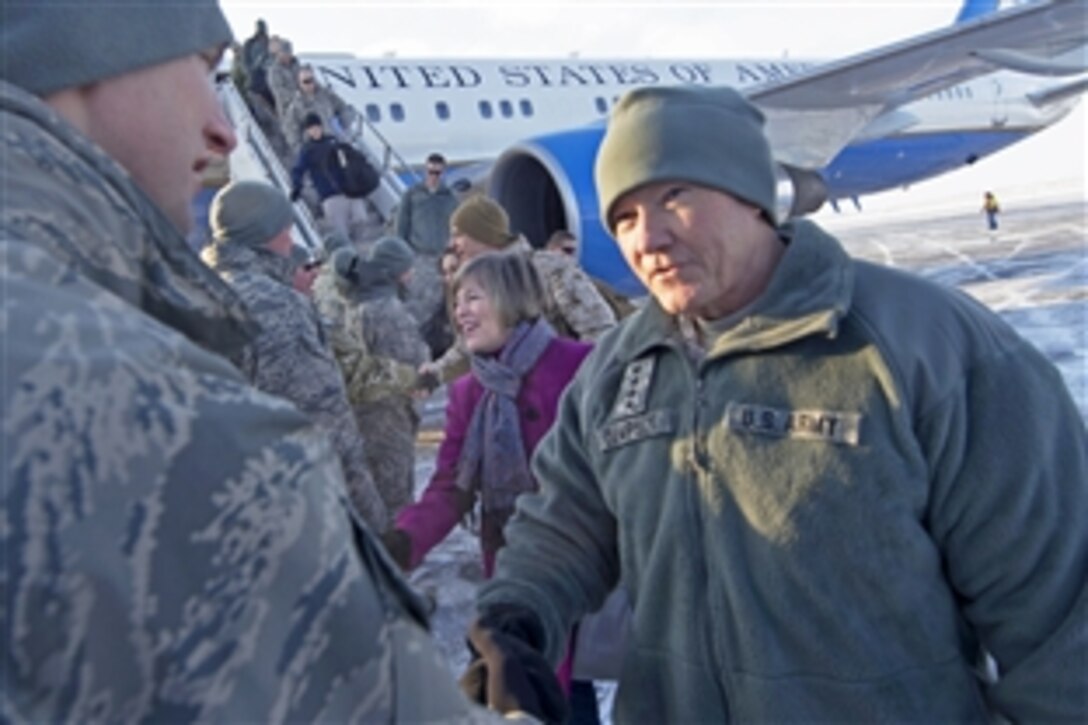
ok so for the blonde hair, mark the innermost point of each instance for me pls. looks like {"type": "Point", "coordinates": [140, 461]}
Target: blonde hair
{"type": "Point", "coordinates": [511, 283]}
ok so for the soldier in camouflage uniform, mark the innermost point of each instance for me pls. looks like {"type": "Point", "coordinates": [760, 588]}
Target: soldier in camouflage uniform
{"type": "Point", "coordinates": [251, 234]}
{"type": "Point", "coordinates": [574, 307]}
{"type": "Point", "coordinates": [388, 421]}
{"type": "Point", "coordinates": [336, 115]}
{"type": "Point", "coordinates": [367, 376]}
{"type": "Point", "coordinates": [177, 545]}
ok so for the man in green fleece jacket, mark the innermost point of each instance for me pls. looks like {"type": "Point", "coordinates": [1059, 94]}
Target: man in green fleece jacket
{"type": "Point", "coordinates": [833, 490]}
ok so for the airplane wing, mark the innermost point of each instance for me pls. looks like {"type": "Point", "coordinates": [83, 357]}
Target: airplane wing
{"type": "Point", "coordinates": [814, 115]}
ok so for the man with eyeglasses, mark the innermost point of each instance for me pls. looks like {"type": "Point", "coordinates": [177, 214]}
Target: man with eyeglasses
{"type": "Point", "coordinates": [423, 220]}
{"type": "Point", "coordinates": [312, 98]}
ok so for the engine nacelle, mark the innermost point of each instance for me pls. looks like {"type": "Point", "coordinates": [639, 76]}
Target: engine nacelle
{"type": "Point", "coordinates": [797, 191]}
{"type": "Point", "coordinates": [546, 184]}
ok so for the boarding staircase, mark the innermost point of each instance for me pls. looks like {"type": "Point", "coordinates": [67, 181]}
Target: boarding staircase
{"type": "Point", "coordinates": [254, 158]}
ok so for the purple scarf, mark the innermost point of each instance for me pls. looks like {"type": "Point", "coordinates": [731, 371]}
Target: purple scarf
{"type": "Point", "coordinates": [493, 460]}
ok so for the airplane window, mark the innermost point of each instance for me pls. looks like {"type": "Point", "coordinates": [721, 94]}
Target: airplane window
{"type": "Point", "coordinates": [506, 109]}
{"type": "Point", "coordinates": [373, 113]}
{"type": "Point", "coordinates": [485, 109]}
{"type": "Point", "coordinates": [442, 110]}
{"type": "Point", "coordinates": [526, 107]}
{"type": "Point", "coordinates": [602, 105]}
{"type": "Point", "coordinates": [396, 111]}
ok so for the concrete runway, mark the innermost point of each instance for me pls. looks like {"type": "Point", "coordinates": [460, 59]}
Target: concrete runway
{"type": "Point", "coordinates": [1033, 271]}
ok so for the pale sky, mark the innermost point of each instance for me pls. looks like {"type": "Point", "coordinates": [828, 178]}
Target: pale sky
{"type": "Point", "coordinates": [809, 29]}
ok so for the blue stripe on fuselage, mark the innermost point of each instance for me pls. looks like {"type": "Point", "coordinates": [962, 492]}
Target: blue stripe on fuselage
{"type": "Point", "coordinates": [887, 163]}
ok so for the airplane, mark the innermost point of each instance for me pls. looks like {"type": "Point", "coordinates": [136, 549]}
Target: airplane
{"type": "Point", "coordinates": [528, 130]}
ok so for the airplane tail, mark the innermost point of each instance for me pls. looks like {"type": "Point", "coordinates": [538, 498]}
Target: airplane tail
{"type": "Point", "coordinates": [976, 8]}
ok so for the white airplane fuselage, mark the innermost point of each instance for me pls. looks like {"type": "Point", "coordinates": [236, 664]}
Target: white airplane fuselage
{"type": "Point", "coordinates": [531, 129]}
{"type": "Point", "coordinates": [471, 110]}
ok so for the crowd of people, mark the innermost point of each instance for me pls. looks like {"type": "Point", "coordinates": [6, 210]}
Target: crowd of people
{"type": "Point", "coordinates": [283, 93]}
{"type": "Point", "coordinates": [828, 490]}
{"type": "Point", "coordinates": [303, 121]}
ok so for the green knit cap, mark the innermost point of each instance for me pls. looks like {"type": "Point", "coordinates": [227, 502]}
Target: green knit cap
{"type": "Point", "coordinates": [483, 220]}
{"type": "Point", "coordinates": [249, 213]}
{"type": "Point", "coordinates": [50, 46]}
{"type": "Point", "coordinates": [708, 136]}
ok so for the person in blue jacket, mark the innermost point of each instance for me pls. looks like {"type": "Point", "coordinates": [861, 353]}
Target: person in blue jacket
{"type": "Point", "coordinates": [342, 213]}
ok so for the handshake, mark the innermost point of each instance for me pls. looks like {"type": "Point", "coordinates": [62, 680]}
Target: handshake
{"type": "Point", "coordinates": [507, 671]}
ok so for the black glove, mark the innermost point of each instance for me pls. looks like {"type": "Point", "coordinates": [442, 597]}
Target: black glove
{"type": "Point", "coordinates": [428, 381]}
{"type": "Point", "coordinates": [399, 546]}
{"type": "Point", "coordinates": [295, 194]}
{"type": "Point", "coordinates": [507, 671]}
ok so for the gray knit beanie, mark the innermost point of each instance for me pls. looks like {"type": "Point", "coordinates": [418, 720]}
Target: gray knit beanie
{"type": "Point", "coordinates": [392, 255]}
{"type": "Point", "coordinates": [249, 213]}
{"type": "Point", "coordinates": [50, 46]}
{"type": "Point", "coordinates": [708, 136]}
{"type": "Point", "coordinates": [346, 264]}
{"type": "Point", "coordinates": [335, 240]}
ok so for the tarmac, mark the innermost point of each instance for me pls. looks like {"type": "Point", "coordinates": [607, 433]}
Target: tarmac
{"type": "Point", "coordinates": [1033, 271]}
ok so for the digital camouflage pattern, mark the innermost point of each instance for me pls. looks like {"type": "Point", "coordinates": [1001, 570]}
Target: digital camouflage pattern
{"type": "Point", "coordinates": [326, 104]}
{"type": "Point", "coordinates": [283, 82]}
{"type": "Point", "coordinates": [426, 291]}
{"type": "Point", "coordinates": [177, 545]}
{"type": "Point", "coordinates": [368, 377]}
{"type": "Point", "coordinates": [390, 423]}
{"type": "Point", "coordinates": [290, 358]}
{"type": "Point", "coordinates": [575, 307]}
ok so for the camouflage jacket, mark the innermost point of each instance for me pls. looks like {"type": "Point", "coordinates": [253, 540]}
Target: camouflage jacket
{"type": "Point", "coordinates": [290, 358]}
{"type": "Point", "coordinates": [575, 306]}
{"type": "Point", "coordinates": [176, 543]}
{"type": "Point", "coordinates": [324, 103]}
{"type": "Point", "coordinates": [390, 330]}
{"type": "Point", "coordinates": [368, 377]}
{"type": "Point", "coordinates": [283, 82]}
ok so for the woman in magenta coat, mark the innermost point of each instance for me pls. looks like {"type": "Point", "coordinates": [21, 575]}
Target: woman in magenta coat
{"type": "Point", "coordinates": [496, 414]}
{"type": "Point", "coordinates": [495, 417]}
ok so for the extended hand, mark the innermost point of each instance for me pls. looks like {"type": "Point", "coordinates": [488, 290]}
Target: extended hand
{"type": "Point", "coordinates": [507, 673]}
